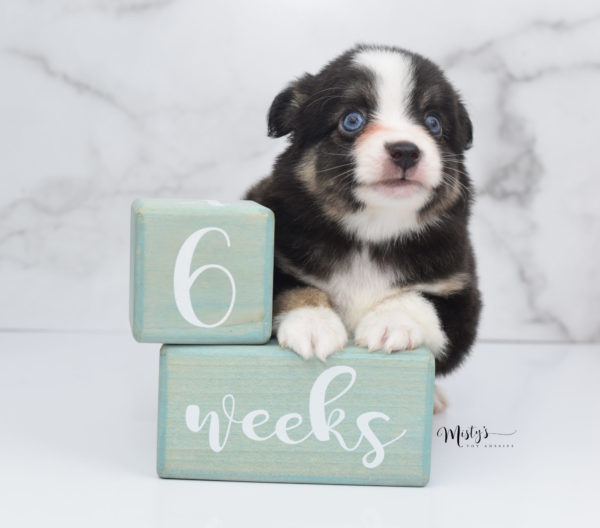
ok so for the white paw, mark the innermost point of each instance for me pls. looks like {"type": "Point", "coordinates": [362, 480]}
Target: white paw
{"type": "Point", "coordinates": [311, 331]}
{"type": "Point", "coordinates": [402, 323]}
{"type": "Point", "coordinates": [388, 330]}
{"type": "Point", "coordinates": [440, 400]}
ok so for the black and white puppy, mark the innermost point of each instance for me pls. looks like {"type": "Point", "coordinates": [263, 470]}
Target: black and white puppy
{"type": "Point", "coordinates": [372, 202]}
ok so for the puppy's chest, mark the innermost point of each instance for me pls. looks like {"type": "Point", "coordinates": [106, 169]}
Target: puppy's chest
{"type": "Point", "coordinates": [358, 285]}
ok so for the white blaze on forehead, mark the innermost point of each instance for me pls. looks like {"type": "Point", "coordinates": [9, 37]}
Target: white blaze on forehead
{"type": "Point", "coordinates": [387, 216]}
{"type": "Point", "coordinates": [394, 82]}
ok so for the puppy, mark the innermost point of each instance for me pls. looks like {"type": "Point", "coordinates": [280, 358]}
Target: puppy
{"type": "Point", "coordinates": [372, 202]}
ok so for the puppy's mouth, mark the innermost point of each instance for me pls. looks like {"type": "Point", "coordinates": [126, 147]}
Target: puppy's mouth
{"type": "Point", "coordinates": [398, 187]}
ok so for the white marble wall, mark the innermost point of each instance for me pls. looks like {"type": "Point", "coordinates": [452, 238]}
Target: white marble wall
{"type": "Point", "coordinates": [102, 101]}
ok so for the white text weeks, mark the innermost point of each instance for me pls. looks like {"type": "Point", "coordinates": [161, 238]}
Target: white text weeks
{"type": "Point", "coordinates": [323, 421]}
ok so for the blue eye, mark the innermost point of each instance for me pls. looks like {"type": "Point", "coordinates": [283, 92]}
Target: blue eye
{"type": "Point", "coordinates": [353, 121]}
{"type": "Point", "coordinates": [433, 124]}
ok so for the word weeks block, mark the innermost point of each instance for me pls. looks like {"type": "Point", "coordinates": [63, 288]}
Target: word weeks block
{"type": "Point", "coordinates": [262, 413]}
{"type": "Point", "coordinates": [201, 271]}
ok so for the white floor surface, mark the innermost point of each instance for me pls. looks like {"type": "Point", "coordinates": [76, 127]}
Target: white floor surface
{"type": "Point", "coordinates": [78, 442]}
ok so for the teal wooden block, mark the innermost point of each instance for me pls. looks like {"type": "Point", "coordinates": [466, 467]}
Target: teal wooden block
{"type": "Point", "coordinates": [262, 413]}
{"type": "Point", "coordinates": [201, 271]}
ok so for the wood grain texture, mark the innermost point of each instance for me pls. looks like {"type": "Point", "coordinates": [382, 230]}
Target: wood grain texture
{"type": "Point", "coordinates": [240, 243]}
{"type": "Point", "coordinates": [214, 382]}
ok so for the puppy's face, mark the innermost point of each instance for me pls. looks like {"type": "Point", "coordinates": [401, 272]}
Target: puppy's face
{"type": "Point", "coordinates": [377, 138]}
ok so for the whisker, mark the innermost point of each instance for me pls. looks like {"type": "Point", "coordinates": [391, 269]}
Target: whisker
{"type": "Point", "coordinates": [347, 154]}
{"type": "Point", "coordinates": [324, 90]}
{"type": "Point", "coordinates": [463, 172]}
{"type": "Point", "coordinates": [324, 98]}
{"type": "Point", "coordinates": [455, 166]}
{"type": "Point", "coordinates": [456, 161]}
{"type": "Point", "coordinates": [453, 180]}
{"type": "Point", "coordinates": [336, 167]}
{"type": "Point", "coordinates": [345, 173]}
{"type": "Point", "coordinates": [450, 155]}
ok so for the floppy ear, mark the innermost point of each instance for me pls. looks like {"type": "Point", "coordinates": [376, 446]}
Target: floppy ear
{"type": "Point", "coordinates": [465, 127]}
{"type": "Point", "coordinates": [286, 106]}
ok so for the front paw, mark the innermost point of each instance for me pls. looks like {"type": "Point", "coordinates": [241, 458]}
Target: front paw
{"type": "Point", "coordinates": [311, 331]}
{"type": "Point", "coordinates": [388, 330]}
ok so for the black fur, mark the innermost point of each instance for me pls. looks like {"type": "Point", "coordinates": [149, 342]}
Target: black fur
{"type": "Point", "coordinates": [307, 232]}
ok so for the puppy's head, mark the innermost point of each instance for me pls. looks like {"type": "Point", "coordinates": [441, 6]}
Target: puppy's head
{"type": "Point", "coordinates": [377, 137]}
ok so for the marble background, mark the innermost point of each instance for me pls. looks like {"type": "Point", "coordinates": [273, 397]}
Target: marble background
{"type": "Point", "coordinates": [103, 101]}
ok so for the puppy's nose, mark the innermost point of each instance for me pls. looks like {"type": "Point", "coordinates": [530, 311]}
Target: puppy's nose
{"type": "Point", "coordinates": [404, 154]}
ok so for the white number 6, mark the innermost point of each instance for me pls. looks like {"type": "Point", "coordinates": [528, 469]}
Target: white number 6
{"type": "Point", "coordinates": [183, 280]}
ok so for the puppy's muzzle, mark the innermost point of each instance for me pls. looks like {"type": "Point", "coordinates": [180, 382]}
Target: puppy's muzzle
{"type": "Point", "coordinates": [404, 154]}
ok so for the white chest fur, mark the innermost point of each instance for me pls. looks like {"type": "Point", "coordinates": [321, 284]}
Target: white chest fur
{"type": "Point", "coordinates": [374, 312]}
{"type": "Point", "coordinates": [356, 287]}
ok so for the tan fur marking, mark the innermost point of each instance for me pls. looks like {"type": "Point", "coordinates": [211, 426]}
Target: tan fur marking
{"type": "Point", "coordinates": [286, 266]}
{"type": "Point", "coordinates": [370, 130]}
{"type": "Point", "coordinates": [307, 170]}
{"type": "Point", "coordinates": [441, 288]}
{"type": "Point", "coordinates": [332, 205]}
{"type": "Point", "coordinates": [299, 298]}
{"type": "Point", "coordinates": [450, 195]}
{"type": "Point", "coordinates": [444, 287]}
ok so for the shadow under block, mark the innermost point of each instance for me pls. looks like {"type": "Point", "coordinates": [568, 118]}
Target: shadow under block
{"type": "Point", "coordinates": [262, 413]}
{"type": "Point", "coordinates": [201, 271]}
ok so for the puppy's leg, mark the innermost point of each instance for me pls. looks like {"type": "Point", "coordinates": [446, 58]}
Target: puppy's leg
{"type": "Point", "coordinates": [404, 321]}
{"type": "Point", "coordinates": [459, 314]}
{"type": "Point", "coordinates": [305, 322]}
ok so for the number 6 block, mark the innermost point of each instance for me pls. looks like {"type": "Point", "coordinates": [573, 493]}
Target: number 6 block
{"type": "Point", "coordinates": [201, 271]}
